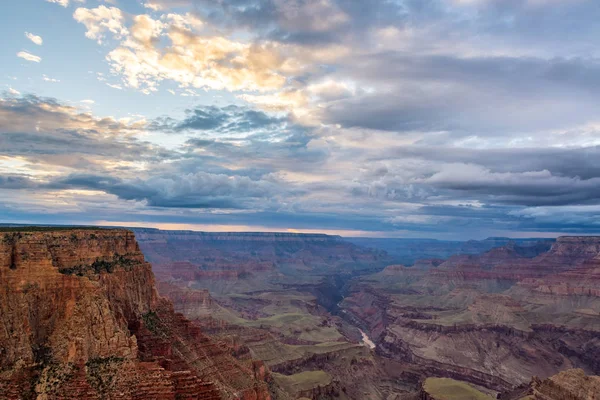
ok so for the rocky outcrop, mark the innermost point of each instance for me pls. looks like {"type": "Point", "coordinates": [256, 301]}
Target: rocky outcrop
{"type": "Point", "coordinates": [583, 280]}
{"type": "Point", "coordinates": [80, 317]}
{"type": "Point", "coordinates": [193, 303]}
{"type": "Point", "coordinates": [572, 384]}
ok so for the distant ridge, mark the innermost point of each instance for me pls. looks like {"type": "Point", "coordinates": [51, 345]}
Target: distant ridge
{"type": "Point", "coordinates": [42, 227]}
{"type": "Point", "coordinates": [232, 236]}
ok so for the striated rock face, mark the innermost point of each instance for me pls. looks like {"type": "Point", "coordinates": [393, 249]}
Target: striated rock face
{"type": "Point", "coordinates": [409, 251]}
{"type": "Point", "coordinates": [515, 262]}
{"type": "Point", "coordinates": [80, 317]}
{"type": "Point", "coordinates": [570, 267]}
{"type": "Point", "coordinates": [576, 247]}
{"type": "Point", "coordinates": [212, 259]}
{"type": "Point", "coordinates": [191, 303]}
{"type": "Point", "coordinates": [493, 319]}
{"type": "Point", "coordinates": [272, 298]}
{"type": "Point", "coordinates": [572, 384]}
{"type": "Point", "coordinates": [581, 281]}
{"type": "Point", "coordinates": [45, 303]}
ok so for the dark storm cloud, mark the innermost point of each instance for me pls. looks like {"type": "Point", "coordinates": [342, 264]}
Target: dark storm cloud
{"type": "Point", "coordinates": [187, 181]}
{"type": "Point", "coordinates": [199, 190]}
{"type": "Point", "coordinates": [300, 21]}
{"type": "Point", "coordinates": [230, 119]}
{"type": "Point", "coordinates": [521, 177]}
{"type": "Point", "coordinates": [565, 25]}
{"type": "Point", "coordinates": [525, 73]}
{"type": "Point", "coordinates": [271, 150]}
{"type": "Point", "coordinates": [71, 144]}
{"type": "Point", "coordinates": [528, 188]}
{"type": "Point", "coordinates": [246, 136]}
{"type": "Point", "coordinates": [15, 182]}
{"type": "Point", "coordinates": [475, 95]}
{"type": "Point", "coordinates": [550, 22]}
{"type": "Point", "coordinates": [34, 113]}
{"type": "Point", "coordinates": [44, 129]}
{"type": "Point", "coordinates": [581, 162]}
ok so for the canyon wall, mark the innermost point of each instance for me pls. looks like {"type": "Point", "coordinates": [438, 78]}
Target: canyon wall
{"type": "Point", "coordinates": [493, 319]}
{"type": "Point", "coordinates": [80, 317]}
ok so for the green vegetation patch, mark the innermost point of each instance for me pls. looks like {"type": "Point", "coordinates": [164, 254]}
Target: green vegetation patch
{"type": "Point", "coordinates": [102, 373]}
{"type": "Point", "coordinates": [325, 334]}
{"type": "Point", "coordinates": [302, 381]}
{"type": "Point", "coordinates": [154, 324]}
{"type": "Point", "coordinates": [100, 266]}
{"type": "Point", "coordinates": [450, 389]}
{"type": "Point", "coordinates": [54, 375]}
{"type": "Point", "coordinates": [274, 353]}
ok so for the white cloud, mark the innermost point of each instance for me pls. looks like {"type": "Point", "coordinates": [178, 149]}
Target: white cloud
{"type": "Point", "coordinates": [100, 20]}
{"type": "Point", "coordinates": [48, 79]}
{"type": "Point", "coordinates": [13, 91]}
{"type": "Point", "coordinates": [153, 6]}
{"type": "Point", "coordinates": [186, 21]}
{"type": "Point", "coordinates": [311, 15]}
{"type": "Point", "coordinates": [145, 30]}
{"type": "Point", "coordinates": [183, 49]}
{"type": "Point", "coordinates": [29, 57]}
{"type": "Point", "coordinates": [119, 87]}
{"type": "Point", "coordinates": [63, 3]}
{"type": "Point", "coordinates": [189, 93]}
{"type": "Point", "coordinates": [199, 61]}
{"type": "Point", "coordinates": [34, 38]}
{"type": "Point", "coordinates": [87, 101]}
{"type": "Point", "coordinates": [279, 101]}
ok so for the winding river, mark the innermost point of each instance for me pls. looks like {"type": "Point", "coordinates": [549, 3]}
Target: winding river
{"type": "Point", "coordinates": [366, 340]}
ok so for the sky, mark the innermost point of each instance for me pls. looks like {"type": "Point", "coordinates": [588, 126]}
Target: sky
{"type": "Point", "coordinates": [449, 119]}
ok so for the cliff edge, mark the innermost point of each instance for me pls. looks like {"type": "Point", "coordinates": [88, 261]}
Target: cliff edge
{"type": "Point", "coordinates": [80, 317]}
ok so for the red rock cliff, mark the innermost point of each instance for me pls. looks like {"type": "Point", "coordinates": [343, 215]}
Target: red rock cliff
{"type": "Point", "coordinates": [80, 317]}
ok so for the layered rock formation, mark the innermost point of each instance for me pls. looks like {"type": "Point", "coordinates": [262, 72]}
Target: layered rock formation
{"type": "Point", "coordinates": [80, 317]}
{"type": "Point", "coordinates": [271, 297]}
{"type": "Point", "coordinates": [235, 262]}
{"type": "Point", "coordinates": [572, 384]}
{"type": "Point", "coordinates": [409, 251]}
{"type": "Point", "coordinates": [494, 319]}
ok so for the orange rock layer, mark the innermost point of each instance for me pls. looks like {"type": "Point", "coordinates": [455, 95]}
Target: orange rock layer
{"type": "Point", "coordinates": [80, 317]}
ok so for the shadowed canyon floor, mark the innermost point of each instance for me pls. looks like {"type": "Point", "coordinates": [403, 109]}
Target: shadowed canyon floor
{"type": "Point", "coordinates": [286, 316]}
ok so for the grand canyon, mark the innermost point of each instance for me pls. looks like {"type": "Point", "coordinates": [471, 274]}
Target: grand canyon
{"type": "Point", "coordinates": [150, 314]}
{"type": "Point", "coordinates": [300, 200]}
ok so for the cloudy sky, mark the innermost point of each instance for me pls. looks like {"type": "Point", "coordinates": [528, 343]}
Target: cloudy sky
{"type": "Point", "coordinates": [401, 118]}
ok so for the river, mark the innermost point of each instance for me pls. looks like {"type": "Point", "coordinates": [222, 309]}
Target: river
{"type": "Point", "coordinates": [366, 340]}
